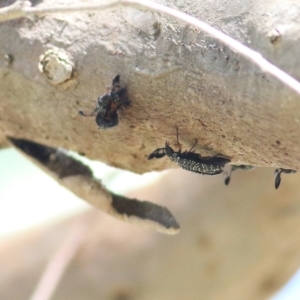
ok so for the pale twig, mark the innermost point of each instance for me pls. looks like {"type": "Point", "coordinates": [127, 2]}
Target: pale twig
{"type": "Point", "coordinates": [255, 57]}
{"type": "Point", "coordinates": [15, 10]}
{"type": "Point", "coordinates": [78, 178]}
{"type": "Point", "coordinates": [57, 265]}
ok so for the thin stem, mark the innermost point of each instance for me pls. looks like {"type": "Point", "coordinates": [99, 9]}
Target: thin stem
{"type": "Point", "coordinates": [17, 11]}
{"type": "Point", "coordinates": [56, 267]}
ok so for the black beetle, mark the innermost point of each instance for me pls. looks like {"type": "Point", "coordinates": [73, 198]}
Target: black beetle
{"type": "Point", "coordinates": [194, 162]}
{"type": "Point", "coordinates": [108, 105]}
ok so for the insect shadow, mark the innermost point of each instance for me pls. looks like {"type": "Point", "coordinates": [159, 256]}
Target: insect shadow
{"type": "Point", "coordinates": [278, 172]}
{"type": "Point", "coordinates": [234, 168]}
{"type": "Point", "coordinates": [278, 175]}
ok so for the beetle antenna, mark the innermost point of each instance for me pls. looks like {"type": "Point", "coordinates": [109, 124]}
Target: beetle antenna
{"type": "Point", "coordinates": [195, 143]}
{"type": "Point", "coordinates": [177, 138]}
{"type": "Point", "coordinates": [85, 114]}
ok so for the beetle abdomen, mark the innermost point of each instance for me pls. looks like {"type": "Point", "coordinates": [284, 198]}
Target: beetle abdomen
{"type": "Point", "coordinates": [210, 165]}
{"type": "Point", "coordinates": [200, 167]}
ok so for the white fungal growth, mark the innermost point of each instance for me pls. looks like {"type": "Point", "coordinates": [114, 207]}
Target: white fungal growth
{"type": "Point", "coordinates": [57, 65]}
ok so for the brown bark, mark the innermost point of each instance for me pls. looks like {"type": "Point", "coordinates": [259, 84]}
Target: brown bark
{"type": "Point", "coordinates": [176, 75]}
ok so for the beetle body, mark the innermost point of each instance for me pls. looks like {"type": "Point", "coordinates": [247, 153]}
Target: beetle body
{"type": "Point", "coordinates": [194, 162]}
{"type": "Point", "coordinates": [108, 104]}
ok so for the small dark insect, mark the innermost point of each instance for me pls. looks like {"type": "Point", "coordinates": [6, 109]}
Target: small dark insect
{"type": "Point", "coordinates": [278, 175]}
{"type": "Point", "coordinates": [194, 162]}
{"type": "Point", "coordinates": [108, 105]}
{"type": "Point", "coordinates": [233, 168]}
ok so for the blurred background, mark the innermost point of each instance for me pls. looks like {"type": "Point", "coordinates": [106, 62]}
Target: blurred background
{"type": "Point", "coordinates": [55, 246]}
